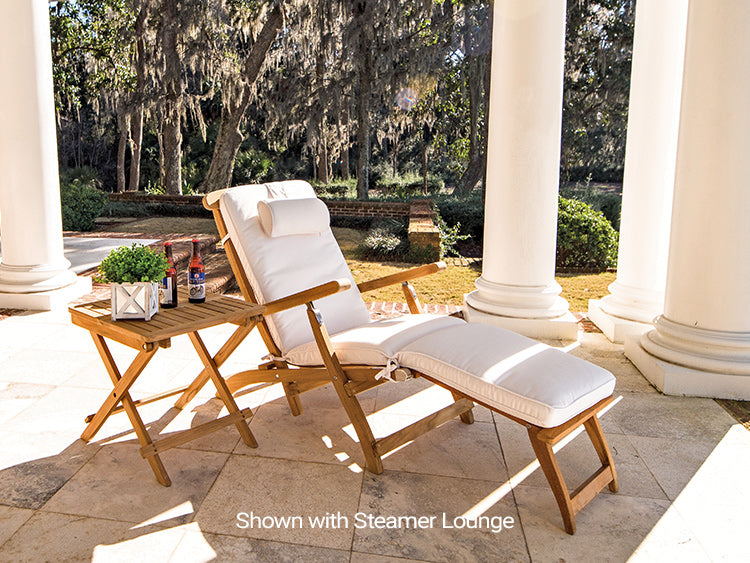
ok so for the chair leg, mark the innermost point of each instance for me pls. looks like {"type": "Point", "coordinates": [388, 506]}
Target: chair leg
{"type": "Point", "coordinates": [465, 417]}
{"type": "Point", "coordinates": [551, 469]}
{"type": "Point", "coordinates": [351, 405]}
{"type": "Point", "coordinates": [596, 435]}
{"type": "Point", "coordinates": [571, 503]}
{"type": "Point", "coordinates": [292, 397]}
{"type": "Point", "coordinates": [353, 409]}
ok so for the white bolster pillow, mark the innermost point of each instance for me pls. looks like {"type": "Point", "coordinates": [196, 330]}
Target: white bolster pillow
{"type": "Point", "coordinates": [284, 217]}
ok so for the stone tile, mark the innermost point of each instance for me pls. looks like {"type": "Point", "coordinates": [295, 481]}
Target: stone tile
{"type": "Point", "coordinates": [11, 519]}
{"type": "Point", "coordinates": [268, 488]}
{"type": "Point", "coordinates": [670, 539]}
{"type": "Point", "coordinates": [46, 367]}
{"type": "Point", "coordinates": [68, 338]}
{"type": "Point", "coordinates": [371, 558]}
{"type": "Point", "coordinates": [673, 463]}
{"type": "Point", "coordinates": [612, 358]}
{"type": "Point", "coordinates": [318, 435]}
{"type": "Point", "coordinates": [62, 537]}
{"type": "Point", "coordinates": [720, 481]}
{"type": "Point", "coordinates": [6, 353]}
{"type": "Point", "coordinates": [720, 527]}
{"type": "Point", "coordinates": [419, 395]}
{"type": "Point", "coordinates": [62, 410]}
{"type": "Point", "coordinates": [20, 335]}
{"type": "Point", "coordinates": [56, 317]}
{"type": "Point", "coordinates": [202, 546]}
{"type": "Point", "coordinates": [454, 449]}
{"type": "Point", "coordinates": [442, 501]}
{"type": "Point", "coordinates": [223, 440]}
{"type": "Point", "coordinates": [118, 484]}
{"type": "Point", "coordinates": [15, 397]}
{"type": "Point", "coordinates": [578, 460]}
{"type": "Point", "coordinates": [36, 467]}
{"type": "Point", "coordinates": [390, 393]}
{"type": "Point", "coordinates": [609, 528]}
{"type": "Point", "coordinates": [325, 397]}
{"type": "Point", "coordinates": [161, 374]}
{"type": "Point", "coordinates": [661, 416]}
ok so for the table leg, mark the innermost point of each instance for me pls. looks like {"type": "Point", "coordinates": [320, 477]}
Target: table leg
{"type": "Point", "coordinates": [221, 356]}
{"type": "Point", "coordinates": [221, 388]}
{"type": "Point", "coordinates": [120, 394]}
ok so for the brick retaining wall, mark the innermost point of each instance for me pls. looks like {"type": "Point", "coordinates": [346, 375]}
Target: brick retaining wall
{"type": "Point", "coordinates": [422, 229]}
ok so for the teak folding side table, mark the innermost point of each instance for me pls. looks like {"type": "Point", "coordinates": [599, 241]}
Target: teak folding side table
{"type": "Point", "coordinates": [147, 337]}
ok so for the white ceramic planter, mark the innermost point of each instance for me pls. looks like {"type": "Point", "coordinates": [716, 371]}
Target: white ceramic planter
{"type": "Point", "coordinates": [134, 300]}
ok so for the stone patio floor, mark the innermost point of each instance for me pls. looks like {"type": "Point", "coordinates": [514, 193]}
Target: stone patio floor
{"type": "Point", "coordinates": [682, 463]}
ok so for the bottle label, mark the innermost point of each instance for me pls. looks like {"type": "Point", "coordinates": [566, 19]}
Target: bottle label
{"type": "Point", "coordinates": [165, 291]}
{"type": "Point", "coordinates": [196, 285]}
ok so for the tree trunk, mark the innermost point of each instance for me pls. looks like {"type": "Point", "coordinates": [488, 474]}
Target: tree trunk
{"type": "Point", "coordinates": [345, 144]}
{"type": "Point", "coordinates": [136, 140]}
{"type": "Point", "coordinates": [322, 148]}
{"type": "Point", "coordinates": [228, 141]}
{"type": "Point", "coordinates": [140, 89]}
{"type": "Point", "coordinates": [471, 175]}
{"type": "Point", "coordinates": [160, 142]}
{"type": "Point", "coordinates": [323, 158]}
{"type": "Point", "coordinates": [172, 129]}
{"type": "Point", "coordinates": [123, 121]}
{"type": "Point", "coordinates": [363, 122]}
{"type": "Point", "coordinates": [230, 136]}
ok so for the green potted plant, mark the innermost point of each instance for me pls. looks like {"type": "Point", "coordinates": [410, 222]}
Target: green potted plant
{"type": "Point", "coordinates": [133, 273]}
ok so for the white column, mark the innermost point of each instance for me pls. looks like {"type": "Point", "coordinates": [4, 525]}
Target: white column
{"type": "Point", "coordinates": [637, 296]}
{"type": "Point", "coordinates": [517, 288]}
{"type": "Point", "coordinates": [701, 344]}
{"type": "Point", "coordinates": [33, 268]}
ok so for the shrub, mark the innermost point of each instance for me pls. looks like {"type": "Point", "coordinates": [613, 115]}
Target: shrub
{"type": "Point", "coordinates": [449, 236]}
{"type": "Point", "coordinates": [585, 238]}
{"type": "Point", "coordinates": [338, 189]}
{"type": "Point", "coordinates": [81, 203]}
{"type": "Point", "coordinates": [131, 264]}
{"type": "Point", "coordinates": [419, 254]}
{"type": "Point", "coordinates": [408, 185]}
{"type": "Point", "coordinates": [380, 241]}
{"type": "Point", "coordinates": [251, 167]}
{"type": "Point", "coordinates": [468, 212]}
{"type": "Point", "coordinates": [607, 202]}
{"type": "Point", "coordinates": [384, 240]}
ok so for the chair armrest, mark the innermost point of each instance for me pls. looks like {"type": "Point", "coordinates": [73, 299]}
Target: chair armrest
{"type": "Point", "coordinates": [302, 297]}
{"type": "Point", "coordinates": [400, 277]}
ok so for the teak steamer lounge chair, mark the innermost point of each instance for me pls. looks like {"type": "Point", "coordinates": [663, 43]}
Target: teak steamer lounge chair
{"type": "Point", "coordinates": [318, 331]}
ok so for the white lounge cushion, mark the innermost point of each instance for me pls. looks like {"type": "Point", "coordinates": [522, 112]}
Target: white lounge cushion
{"type": "Point", "coordinates": [286, 217]}
{"type": "Point", "coordinates": [510, 372]}
{"type": "Point", "coordinates": [280, 266]}
{"type": "Point", "coordinates": [375, 343]}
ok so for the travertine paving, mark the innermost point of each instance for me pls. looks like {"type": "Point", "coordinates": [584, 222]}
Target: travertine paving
{"type": "Point", "coordinates": [303, 495]}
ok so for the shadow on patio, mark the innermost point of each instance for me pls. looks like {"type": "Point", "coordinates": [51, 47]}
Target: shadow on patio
{"type": "Point", "coordinates": [680, 463]}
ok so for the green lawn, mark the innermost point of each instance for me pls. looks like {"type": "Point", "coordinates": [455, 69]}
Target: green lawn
{"type": "Point", "coordinates": [445, 287]}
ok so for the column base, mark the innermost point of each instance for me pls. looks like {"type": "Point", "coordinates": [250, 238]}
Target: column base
{"type": "Point", "coordinates": [564, 327]}
{"type": "Point", "coordinates": [615, 328]}
{"type": "Point", "coordinates": [673, 379]}
{"type": "Point", "coordinates": [47, 300]}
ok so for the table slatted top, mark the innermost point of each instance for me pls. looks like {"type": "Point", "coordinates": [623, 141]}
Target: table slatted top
{"type": "Point", "coordinates": [186, 317]}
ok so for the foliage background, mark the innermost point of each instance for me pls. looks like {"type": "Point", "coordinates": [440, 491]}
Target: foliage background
{"type": "Point", "coordinates": [382, 96]}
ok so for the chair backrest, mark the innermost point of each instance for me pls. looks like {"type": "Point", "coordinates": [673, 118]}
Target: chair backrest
{"type": "Point", "coordinates": [281, 265]}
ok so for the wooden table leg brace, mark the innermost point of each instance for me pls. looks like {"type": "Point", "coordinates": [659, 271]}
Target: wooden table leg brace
{"type": "Point", "coordinates": [120, 394]}
{"type": "Point", "coordinates": [150, 450]}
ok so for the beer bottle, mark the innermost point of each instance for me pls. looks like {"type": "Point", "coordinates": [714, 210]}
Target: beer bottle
{"type": "Point", "coordinates": [169, 283]}
{"type": "Point", "coordinates": [196, 276]}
